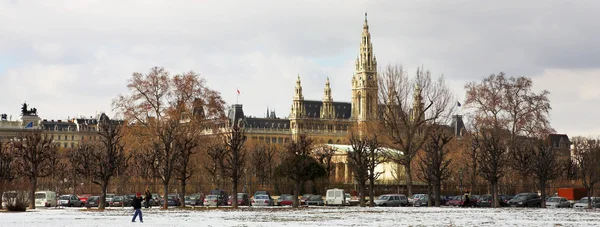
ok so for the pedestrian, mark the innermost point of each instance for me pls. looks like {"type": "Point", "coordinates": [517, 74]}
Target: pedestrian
{"type": "Point", "coordinates": [148, 197]}
{"type": "Point", "coordinates": [137, 206]}
{"type": "Point", "coordinates": [467, 200]}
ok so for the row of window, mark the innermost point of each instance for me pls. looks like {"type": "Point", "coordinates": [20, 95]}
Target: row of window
{"type": "Point", "coordinates": [73, 137]}
{"type": "Point", "coordinates": [271, 139]}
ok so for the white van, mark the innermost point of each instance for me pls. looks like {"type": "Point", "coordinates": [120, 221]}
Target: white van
{"type": "Point", "coordinates": [45, 198]}
{"type": "Point", "coordinates": [335, 197]}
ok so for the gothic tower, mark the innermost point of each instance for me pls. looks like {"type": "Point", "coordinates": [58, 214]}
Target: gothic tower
{"type": "Point", "coordinates": [298, 111]}
{"type": "Point", "coordinates": [327, 110]}
{"type": "Point", "coordinates": [364, 81]}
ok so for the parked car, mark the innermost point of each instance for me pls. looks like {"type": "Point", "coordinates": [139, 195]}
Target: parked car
{"type": "Point", "coordinates": [69, 201]}
{"type": "Point", "coordinates": [109, 199]}
{"type": "Point", "coordinates": [262, 200]}
{"type": "Point", "coordinates": [525, 200]}
{"type": "Point", "coordinates": [421, 202]}
{"type": "Point", "coordinates": [211, 200]}
{"type": "Point", "coordinates": [93, 201]}
{"type": "Point", "coordinates": [315, 200]}
{"type": "Point", "coordinates": [242, 200]}
{"type": "Point", "coordinates": [391, 200]}
{"type": "Point", "coordinates": [557, 202]}
{"type": "Point", "coordinates": [304, 198]}
{"type": "Point", "coordinates": [487, 200]}
{"type": "Point", "coordinates": [45, 198]}
{"type": "Point", "coordinates": [173, 200]}
{"type": "Point", "coordinates": [84, 197]}
{"type": "Point", "coordinates": [583, 202]}
{"type": "Point", "coordinates": [415, 197]}
{"type": "Point", "coordinates": [459, 200]}
{"type": "Point", "coordinates": [347, 198]}
{"type": "Point", "coordinates": [221, 195]}
{"type": "Point", "coordinates": [285, 200]}
{"type": "Point", "coordinates": [155, 200]}
{"type": "Point", "coordinates": [263, 193]}
{"type": "Point", "coordinates": [194, 200]}
{"type": "Point", "coordinates": [118, 201]}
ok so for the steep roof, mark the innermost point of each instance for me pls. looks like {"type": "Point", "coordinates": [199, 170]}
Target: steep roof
{"type": "Point", "coordinates": [267, 123]}
{"type": "Point", "coordinates": [343, 110]}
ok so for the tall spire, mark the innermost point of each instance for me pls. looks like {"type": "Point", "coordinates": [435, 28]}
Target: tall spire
{"type": "Point", "coordinates": [327, 96]}
{"type": "Point", "coordinates": [298, 94]}
{"type": "Point", "coordinates": [366, 60]}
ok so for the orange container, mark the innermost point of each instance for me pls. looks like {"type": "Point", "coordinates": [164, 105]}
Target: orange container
{"type": "Point", "coordinates": [572, 193]}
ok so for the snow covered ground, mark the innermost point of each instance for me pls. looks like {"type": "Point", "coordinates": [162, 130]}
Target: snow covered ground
{"type": "Point", "coordinates": [312, 216]}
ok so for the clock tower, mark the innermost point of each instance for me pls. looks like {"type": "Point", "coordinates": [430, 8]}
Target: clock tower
{"type": "Point", "coordinates": [364, 81]}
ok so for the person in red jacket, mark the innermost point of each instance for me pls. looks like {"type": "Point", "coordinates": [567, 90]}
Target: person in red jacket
{"type": "Point", "coordinates": [137, 206]}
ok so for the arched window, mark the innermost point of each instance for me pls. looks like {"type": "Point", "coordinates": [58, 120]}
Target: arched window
{"type": "Point", "coordinates": [359, 103]}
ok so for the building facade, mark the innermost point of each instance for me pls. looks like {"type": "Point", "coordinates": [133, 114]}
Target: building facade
{"type": "Point", "coordinates": [325, 120]}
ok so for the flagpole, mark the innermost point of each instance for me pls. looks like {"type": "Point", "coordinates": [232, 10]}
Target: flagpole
{"type": "Point", "coordinates": [237, 96]}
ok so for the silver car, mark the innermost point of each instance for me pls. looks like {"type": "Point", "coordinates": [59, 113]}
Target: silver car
{"type": "Point", "coordinates": [211, 200]}
{"type": "Point", "coordinates": [557, 202]}
{"type": "Point", "coordinates": [391, 200]}
{"type": "Point", "coordinates": [262, 200]}
{"type": "Point", "coordinates": [583, 202]}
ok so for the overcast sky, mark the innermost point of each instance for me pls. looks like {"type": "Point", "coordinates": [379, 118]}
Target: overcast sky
{"type": "Point", "coordinates": [72, 58]}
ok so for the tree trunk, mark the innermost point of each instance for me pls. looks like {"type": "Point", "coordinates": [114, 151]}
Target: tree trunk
{"type": "Point", "coordinates": [32, 192]}
{"type": "Point", "coordinates": [182, 192]}
{"type": "Point", "coordinates": [436, 193]}
{"type": "Point", "coordinates": [589, 195]}
{"type": "Point", "coordinates": [429, 196]}
{"type": "Point", "coordinates": [543, 189]}
{"type": "Point", "coordinates": [166, 196]}
{"type": "Point", "coordinates": [495, 202]}
{"type": "Point", "coordinates": [371, 192]}
{"type": "Point", "coordinates": [234, 196]}
{"type": "Point", "coordinates": [102, 204]}
{"type": "Point", "coordinates": [361, 189]}
{"type": "Point", "coordinates": [296, 193]}
{"type": "Point", "coordinates": [473, 180]}
{"type": "Point", "coordinates": [408, 180]}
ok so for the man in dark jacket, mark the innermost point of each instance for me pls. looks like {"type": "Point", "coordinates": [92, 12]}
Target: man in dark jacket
{"type": "Point", "coordinates": [137, 206]}
{"type": "Point", "coordinates": [147, 197]}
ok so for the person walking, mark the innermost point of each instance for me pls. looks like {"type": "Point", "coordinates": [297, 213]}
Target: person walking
{"type": "Point", "coordinates": [137, 206]}
{"type": "Point", "coordinates": [148, 197]}
{"type": "Point", "coordinates": [467, 201]}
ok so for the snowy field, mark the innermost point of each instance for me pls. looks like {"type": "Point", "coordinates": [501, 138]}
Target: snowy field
{"type": "Point", "coordinates": [311, 216]}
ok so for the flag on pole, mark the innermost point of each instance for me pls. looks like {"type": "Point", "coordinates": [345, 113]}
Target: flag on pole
{"type": "Point", "coordinates": [458, 103]}
{"type": "Point", "coordinates": [238, 91]}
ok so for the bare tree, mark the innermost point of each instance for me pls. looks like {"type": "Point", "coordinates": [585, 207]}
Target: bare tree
{"type": "Point", "coordinates": [435, 161]}
{"type": "Point", "coordinates": [471, 163]}
{"type": "Point", "coordinates": [546, 166]}
{"type": "Point", "coordinates": [510, 104]}
{"type": "Point", "coordinates": [299, 165]}
{"type": "Point", "coordinates": [324, 155]}
{"type": "Point", "coordinates": [409, 113]}
{"type": "Point", "coordinates": [521, 157]}
{"type": "Point", "coordinates": [492, 159]}
{"type": "Point", "coordinates": [215, 153]}
{"type": "Point", "coordinates": [358, 161]}
{"type": "Point", "coordinates": [261, 160]}
{"type": "Point", "coordinates": [185, 145]}
{"type": "Point", "coordinates": [234, 159]}
{"type": "Point", "coordinates": [81, 160]}
{"type": "Point", "coordinates": [7, 165]}
{"type": "Point", "coordinates": [587, 157]}
{"type": "Point", "coordinates": [154, 106]}
{"type": "Point", "coordinates": [33, 151]}
{"type": "Point", "coordinates": [108, 156]}
{"type": "Point", "coordinates": [375, 157]}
